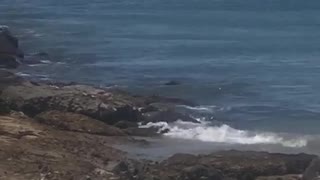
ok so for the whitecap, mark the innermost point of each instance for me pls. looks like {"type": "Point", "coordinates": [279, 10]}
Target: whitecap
{"type": "Point", "coordinates": [23, 74]}
{"type": "Point", "coordinates": [223, 134]}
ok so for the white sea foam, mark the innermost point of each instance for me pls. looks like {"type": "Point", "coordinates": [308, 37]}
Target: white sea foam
{"type": "Point", "coordinates": [205, 109]}
{"type": "Point", "coordinates": [23, 74]}
{"type": "Point", "coordinates": [223, 134]}
{"type": "Point", "coordinates": [46, 61]}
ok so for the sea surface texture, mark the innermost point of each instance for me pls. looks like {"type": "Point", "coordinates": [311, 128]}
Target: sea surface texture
{"type": "Point", "coordinates": [253, 65]}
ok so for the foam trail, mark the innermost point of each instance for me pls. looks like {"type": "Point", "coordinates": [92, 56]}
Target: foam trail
{"type": "Point", "coordinates": [223, 134]}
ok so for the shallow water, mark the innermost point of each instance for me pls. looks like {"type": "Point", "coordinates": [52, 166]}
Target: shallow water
{"type": "Point", "coordinates": [255, 61]}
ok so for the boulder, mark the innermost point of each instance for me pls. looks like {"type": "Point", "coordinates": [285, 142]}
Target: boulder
{"type": "Point", "coordinates": [77, 122]}
{"type": "Point", "coordinates": [9, 49]}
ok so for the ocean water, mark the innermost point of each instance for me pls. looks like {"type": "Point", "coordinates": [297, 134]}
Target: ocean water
{"type": "Point", "coordinates": [253, 65]}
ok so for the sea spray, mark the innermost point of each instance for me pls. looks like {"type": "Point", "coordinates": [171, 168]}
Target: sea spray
{"type": "Point", "coordinates": [223, 134]}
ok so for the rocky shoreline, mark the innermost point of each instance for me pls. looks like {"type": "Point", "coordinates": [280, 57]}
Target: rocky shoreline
{"type": "Point", "coordinates": [68, 131]}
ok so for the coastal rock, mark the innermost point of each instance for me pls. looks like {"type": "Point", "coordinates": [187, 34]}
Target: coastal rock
{"type": "Point", "coordinates": [9, 49]}
{"type": "Point", "coordinates": [237, 165]}
{"type": "Point", "coordinates": [33, 99]}
{"type": "Point", "coordinates": [106, 105]}
{"type": "Point", "coordinates": [77, 122]}
{"type": "Point", "coordinates": [30, 150]}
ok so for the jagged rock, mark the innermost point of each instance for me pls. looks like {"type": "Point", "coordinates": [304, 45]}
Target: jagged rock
{"type": "Point", "coordinates": [77, 122]}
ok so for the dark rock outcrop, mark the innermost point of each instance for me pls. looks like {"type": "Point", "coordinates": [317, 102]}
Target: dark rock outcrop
{"type": "Point", "coordinates": [9, 49]}
{"type": "Point", "coordinates": [105, 105]}
{"type": "Point", "coordinates": [78, 123]}
{"type": "Point", "coordinates": [99, 104]}
{"type": "Point", "coordinates": [235, 165]}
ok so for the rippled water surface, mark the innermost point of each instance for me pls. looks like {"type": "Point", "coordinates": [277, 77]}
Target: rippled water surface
{"type": "Point", "coordinates": [257, 62]}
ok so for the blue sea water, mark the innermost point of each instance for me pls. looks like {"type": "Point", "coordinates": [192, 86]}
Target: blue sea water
{"type": "Point", "coordinates": [257, 62]}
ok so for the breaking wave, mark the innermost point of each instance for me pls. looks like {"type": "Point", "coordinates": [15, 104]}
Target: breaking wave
{"type": "Point", "coordinates": [223, 134]}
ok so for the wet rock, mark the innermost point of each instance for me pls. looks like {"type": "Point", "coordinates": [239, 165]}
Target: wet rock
{"type": "Point", "coordinates": [9, 49]}
{"type": "Point", "coordinates": [77, 122]}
